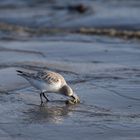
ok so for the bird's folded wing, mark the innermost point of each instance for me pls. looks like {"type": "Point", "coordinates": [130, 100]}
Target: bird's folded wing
{"type": "Point", "coordinates": [48, 77]}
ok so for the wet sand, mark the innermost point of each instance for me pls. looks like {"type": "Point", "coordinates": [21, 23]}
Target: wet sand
{"type": "Point", "coordinates": [106, 76]}
{"type": "Point", "coordinates": [104, 71]}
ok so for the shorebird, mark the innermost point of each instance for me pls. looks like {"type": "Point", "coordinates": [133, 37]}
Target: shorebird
{"type": "Point", "coordinates": [49, 82]}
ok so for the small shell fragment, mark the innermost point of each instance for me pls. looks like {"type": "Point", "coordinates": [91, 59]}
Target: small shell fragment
{"type": "Point", "coordinates": [72, 102]}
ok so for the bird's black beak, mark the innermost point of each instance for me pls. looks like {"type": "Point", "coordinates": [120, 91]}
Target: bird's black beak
{"type": "Point", "coordinates": [73, 97]}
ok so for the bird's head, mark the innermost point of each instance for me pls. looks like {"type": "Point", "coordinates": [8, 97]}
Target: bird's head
{"type": "Point", "coordinates": [67, 91]}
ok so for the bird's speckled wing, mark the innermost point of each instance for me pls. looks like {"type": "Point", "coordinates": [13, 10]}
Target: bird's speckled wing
{"type": "Point", "coordinates": [50, 77]}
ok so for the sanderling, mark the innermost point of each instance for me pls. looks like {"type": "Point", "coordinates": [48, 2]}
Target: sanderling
{"type": "Point", "coordinates": [48, 82]}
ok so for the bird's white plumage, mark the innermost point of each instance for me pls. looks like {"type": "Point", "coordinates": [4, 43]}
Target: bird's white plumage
{"type": "Point", "coordinates": [45, 81]}
{"type": "Point", "coordinates": [44, 86]}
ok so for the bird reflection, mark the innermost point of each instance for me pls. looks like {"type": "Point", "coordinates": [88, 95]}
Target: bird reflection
{"type": "Point", "coordinates": [53, 112]}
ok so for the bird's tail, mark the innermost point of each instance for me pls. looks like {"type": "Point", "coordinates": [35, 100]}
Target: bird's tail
{"type": "Point", "coordinates": [22, 73]}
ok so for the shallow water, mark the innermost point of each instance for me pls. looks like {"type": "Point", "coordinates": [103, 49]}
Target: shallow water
{"type": "Point", "coordinates": [103, 71]}
{"type": "Point", "coordinates": [107, 83]}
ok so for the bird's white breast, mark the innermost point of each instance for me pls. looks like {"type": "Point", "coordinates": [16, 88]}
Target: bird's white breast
{"type": "Point", "coordinates": [45, 87]}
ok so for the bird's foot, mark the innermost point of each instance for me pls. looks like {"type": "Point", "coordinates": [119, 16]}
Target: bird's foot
{"type": "Point", "coordinates": [42, 103]}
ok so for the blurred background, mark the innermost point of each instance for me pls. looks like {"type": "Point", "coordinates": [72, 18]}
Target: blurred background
{"type": "Point", "coordinates": [33, 17]}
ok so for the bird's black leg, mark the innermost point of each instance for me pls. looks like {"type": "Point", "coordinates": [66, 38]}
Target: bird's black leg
{"type": "Point", "coordinates": [41, 98]}
{"type": "Point", "coordinates": [45, 97]}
